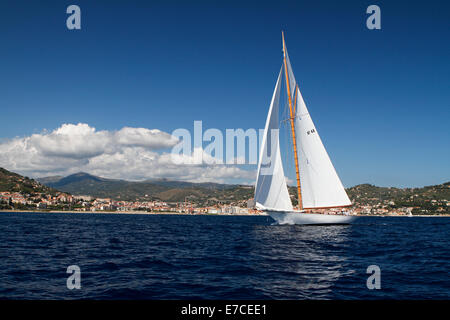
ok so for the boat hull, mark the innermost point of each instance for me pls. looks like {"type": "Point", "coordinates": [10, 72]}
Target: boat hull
{"type": "Point", "coordinates": [310, 218]}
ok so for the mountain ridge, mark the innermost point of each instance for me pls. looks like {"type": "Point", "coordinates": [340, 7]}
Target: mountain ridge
{"type": "Point", "coordinates": [82, 183]}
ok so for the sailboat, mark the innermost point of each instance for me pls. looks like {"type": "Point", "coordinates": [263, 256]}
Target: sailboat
{"type": "Point", "coordinates": [321, 196]}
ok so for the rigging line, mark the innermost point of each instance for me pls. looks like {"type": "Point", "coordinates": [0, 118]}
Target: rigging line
{"type": "Point", "coordinates": [295, 98]}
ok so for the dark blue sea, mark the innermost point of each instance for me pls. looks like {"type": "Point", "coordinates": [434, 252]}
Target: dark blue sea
{"type": "Point", "coordinates": [124, 256]}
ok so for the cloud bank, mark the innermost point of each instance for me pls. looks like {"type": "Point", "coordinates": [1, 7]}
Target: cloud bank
{"type": "Point", "coordinates": [129, 153]}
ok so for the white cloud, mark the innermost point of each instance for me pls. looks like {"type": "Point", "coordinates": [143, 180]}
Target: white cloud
{"type": "Point", "coordinates": [144, 138]}
{"type": "Point", "coordinates": [129, 153]}
{"type": "Point", "coordinates": [72, 141]}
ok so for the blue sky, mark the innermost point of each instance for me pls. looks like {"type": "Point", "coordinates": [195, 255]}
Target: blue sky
{"type": "Point", "coordinates": [380, 99]}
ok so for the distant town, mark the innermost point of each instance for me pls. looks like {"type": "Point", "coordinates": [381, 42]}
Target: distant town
{"type": "Point", "coordinates": [24, 194]}
{"type": "Point", "coordinates": [85, 203]}
{"type": "Point", "coordinates": [66, 202]}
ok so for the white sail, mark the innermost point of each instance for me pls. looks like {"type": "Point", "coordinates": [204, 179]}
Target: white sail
{"type": "Point", "coordinates": [320, 184]}
{"type": "Point", "coordinates": [271, 191]}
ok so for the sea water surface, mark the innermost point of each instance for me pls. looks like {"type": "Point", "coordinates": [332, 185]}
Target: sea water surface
{"type": "Point", "coordinates": [127, 256]}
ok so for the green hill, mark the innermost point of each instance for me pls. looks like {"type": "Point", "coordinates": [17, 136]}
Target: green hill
{"type": "Point", "coordinates": [368, 193]}
{"type": "Point", "coordinates": [13, 182]}
{"type": "Point", "coordinates": [429, 199]}
{"type": "Point", "coordinates": [162, 189]}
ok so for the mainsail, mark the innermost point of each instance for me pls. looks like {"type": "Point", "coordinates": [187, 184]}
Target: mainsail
{"type": "Point", "coordinates": [271, 191]}
{"type": "Point", "coordinates": [320, 184]}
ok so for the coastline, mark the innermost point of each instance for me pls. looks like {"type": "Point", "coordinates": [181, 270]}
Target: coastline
{"type": "Point", "coordinates": [197, 214]}
{"type": "Point", "coordinates": [135, 212]}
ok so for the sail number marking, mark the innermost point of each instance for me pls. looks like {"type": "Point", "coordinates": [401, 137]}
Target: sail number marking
{"type": "Point", "coordinates": [311, 131]}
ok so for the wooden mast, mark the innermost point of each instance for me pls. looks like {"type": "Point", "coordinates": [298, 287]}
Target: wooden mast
{"type": "Point", "coordinates": [294, 142]}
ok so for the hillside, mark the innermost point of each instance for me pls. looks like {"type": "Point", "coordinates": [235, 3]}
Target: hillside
{"type": "Point", "coordinates": [366, 193]}
{"type": "Point", "coordinates": [86, 184]}
{"type": "Point", "coordinates": [184, 184]}
{"type": "Point", "coordinates": [429, 199]}
{"type": "Point", "coordinates": [161, 189]}
{"type": "Point", "coordinates": [13, 182]}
